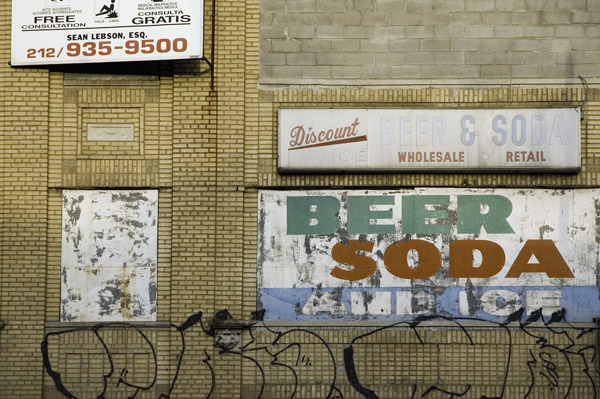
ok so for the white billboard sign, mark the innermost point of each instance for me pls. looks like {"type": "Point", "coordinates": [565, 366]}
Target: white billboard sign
{"type": "Point", "coordinates": [429, 140]}
{"type": "Point", "coordinates": [394, 254]}
{"type": "Point", "coordinates": [76, 31]}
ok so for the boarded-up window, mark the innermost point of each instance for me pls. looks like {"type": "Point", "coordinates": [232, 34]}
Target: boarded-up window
{"type": "Point", "coordinates": [109, 255]}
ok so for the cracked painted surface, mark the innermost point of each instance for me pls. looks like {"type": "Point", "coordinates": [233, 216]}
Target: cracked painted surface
{"type": "Point", "coordinates": [109, 255]}
{"type": "Point", "coordinates": [296, 267]}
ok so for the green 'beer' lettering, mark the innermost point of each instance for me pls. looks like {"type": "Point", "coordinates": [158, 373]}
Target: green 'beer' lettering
{"type": "Point", "coordinates": [415, 213]}
{"type": "Point", "coordinates": [421, 214]}
{"type": "Point", "coordinates": [312, 215]}
{"type": "Point", "coordinates": [470, 218]}
{"type": "Point", "coordinates": [360, 214]}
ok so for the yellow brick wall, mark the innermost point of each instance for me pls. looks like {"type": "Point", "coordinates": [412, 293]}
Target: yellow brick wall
{"type": "Point", "coordinates": [89, 117]}
{"type": "Point", "coordinates": [85, 163]}
{"type": "Point", "coordinates": [209, 152]}
{"type": "Point", "coordinates": [24, 148]}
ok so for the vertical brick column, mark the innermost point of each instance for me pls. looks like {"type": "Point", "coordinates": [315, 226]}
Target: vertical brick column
{"type": "Point", "coordinates": [253, 131]}
{"type": "Point", "coordinates": [24, 137]}
{"type": "Point", "coordinates": [231, 63]}
{"type": "Point", "coordinates": [230, 69]}
{"type": "Point", "coordinates": [208, 196]}
{"type": "Point", "coordinates": [194, 218]}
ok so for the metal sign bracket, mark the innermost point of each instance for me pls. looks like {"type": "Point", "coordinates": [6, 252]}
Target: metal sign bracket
{"type": "Point", "coordinates": [211, 62]}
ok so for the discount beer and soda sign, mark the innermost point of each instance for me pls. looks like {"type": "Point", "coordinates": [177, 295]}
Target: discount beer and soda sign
{"type": "Point", "coordinates": [393, 255]}
{"type": "Point", "coordinates": [429, 140]}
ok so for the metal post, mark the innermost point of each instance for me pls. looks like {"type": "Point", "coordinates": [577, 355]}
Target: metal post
{"type": "Point", "coordinates": [211, 62]}
{"type": "Point", "coordinates": [212, 47]}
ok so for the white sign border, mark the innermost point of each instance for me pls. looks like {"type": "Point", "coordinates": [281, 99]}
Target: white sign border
{"type": "Point", "coordinates": [194, 46]}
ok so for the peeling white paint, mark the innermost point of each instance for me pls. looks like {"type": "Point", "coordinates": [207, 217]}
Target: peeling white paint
{"type": "Point", "coordinates": [567, 217]}
{"type": "Point", "coordinates": [300, 278]}
{"type": "Point", "coordinates": [108, 294]}
{"type": "Point", "coordinates": [323, 303]}
{"type": "Point", "coordinates": [489, 302]}
{"type": "Point", "coordinates": [380, 303]}
{"type": "Point", "coordinates": [109, 255]}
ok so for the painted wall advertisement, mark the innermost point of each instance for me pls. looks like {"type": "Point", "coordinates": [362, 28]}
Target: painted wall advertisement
{"type": "Point", "coordinates": [72, 31]}
{"type": "Point", "coordinates": [429, 139]}
{"type": "Point", "coordinates": [394, 255]}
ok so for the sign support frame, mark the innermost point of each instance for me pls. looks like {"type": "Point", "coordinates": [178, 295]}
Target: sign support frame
{"type": "Point", "coordinates": [211, 62]}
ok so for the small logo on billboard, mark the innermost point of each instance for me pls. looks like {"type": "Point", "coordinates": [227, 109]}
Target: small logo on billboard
{"type": "Point", "coordinates": [59, 3]}
{"type": "Point", "coordinates": [106, 9]}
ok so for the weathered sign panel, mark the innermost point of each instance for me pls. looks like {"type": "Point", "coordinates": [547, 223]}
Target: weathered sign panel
{"type": "Point", "coordinates": [386, 255]}
{"type": "Point", "coordinates": [109, 255]}
{"type": "Point", "coordinates": [429, 139]}
{"type": "Point", "coordinates": [70, 31]}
